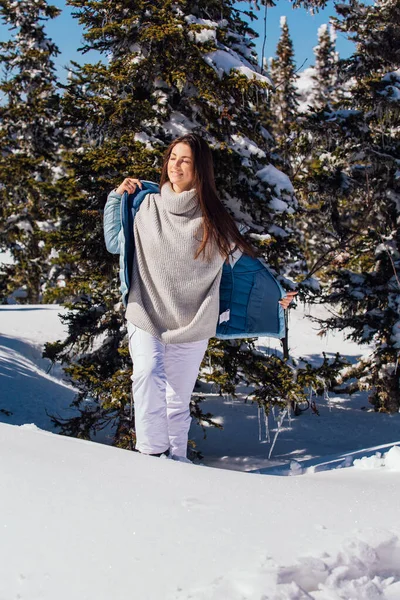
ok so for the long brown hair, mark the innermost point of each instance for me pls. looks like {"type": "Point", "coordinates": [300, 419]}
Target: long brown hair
{"type": "Point", "coordinates": [218, 224]}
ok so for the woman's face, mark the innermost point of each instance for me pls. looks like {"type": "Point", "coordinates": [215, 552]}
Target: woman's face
{"type": "Point", "coordinates": [181, 168]}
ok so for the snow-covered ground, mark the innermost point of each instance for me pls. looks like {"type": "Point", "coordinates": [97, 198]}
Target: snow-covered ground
{"type": "Point", "coordinates": [345, 423]}
{"type": "Point", "coordinates": [30, 393]}
{"type": "Point", "coordinates": [87, 521]}
{"type": "Point", "coordinates": [90, 522]}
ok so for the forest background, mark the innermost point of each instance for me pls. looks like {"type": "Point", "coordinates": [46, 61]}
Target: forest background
{"type": "Point", "coordinates": [312, 172]}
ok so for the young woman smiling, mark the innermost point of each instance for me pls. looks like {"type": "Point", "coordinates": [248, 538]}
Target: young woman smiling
{"type": "Point", "coordinates": [182, 237]}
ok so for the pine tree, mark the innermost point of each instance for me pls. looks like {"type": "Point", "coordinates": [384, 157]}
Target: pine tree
{"type": "Point", "coordinates": [284, 98]}
{"type": "Point", "coordinates": [353, 177]}
{"type": "Point", "coordinates": [325, 74]}
{"type": "Point", "coordinates": [318, 84]}
{"type": "Point", "coordinates": [170, 69]}
{"type": "Point", "coordinates": [30, 144]}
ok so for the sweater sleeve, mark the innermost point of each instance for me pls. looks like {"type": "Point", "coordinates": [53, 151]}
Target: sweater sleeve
{"type": "Point", "coordinates": [112, 222]}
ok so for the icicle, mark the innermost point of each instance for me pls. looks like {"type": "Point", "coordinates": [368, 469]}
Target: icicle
{"type": "Point", "coordinates": [267, 434]}
{"type": "Point", "coordinates": [311, 393]}
{"type": "Point", "coordinates": [283, 415]}
{"type": "Point", "coordinates": [327, 398]}
{"type": "Point", "coordinates": [209, 362]}
{"type": "Point", "coordinates": [259, 423]}
{"type": "Point", "coordinates": [289, 413]}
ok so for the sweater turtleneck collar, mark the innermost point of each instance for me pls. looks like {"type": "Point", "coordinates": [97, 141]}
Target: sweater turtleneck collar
{"type": "Point", "coordinates": [178, 204]}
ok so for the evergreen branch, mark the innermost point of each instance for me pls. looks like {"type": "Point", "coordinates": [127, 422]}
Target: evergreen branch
{"type": "Point", "coordinates": [391, 260]}
{"type": "Point", "coordinates": [323, 260]}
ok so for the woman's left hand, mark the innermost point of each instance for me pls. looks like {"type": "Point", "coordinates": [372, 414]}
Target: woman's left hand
{"type": "Point", "coordinates": [286, 300]}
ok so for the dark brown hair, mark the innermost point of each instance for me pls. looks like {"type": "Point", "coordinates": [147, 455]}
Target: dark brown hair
{"type": "Point", "coordinates": [218, 224]}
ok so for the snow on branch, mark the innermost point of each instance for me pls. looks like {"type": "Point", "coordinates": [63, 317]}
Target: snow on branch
{"type": "Point", "coordinates": [223, 62]}
{"type": "Point", "coordinates": [276, 178]}
{"type": "Point", "coordinates": [392, 92]}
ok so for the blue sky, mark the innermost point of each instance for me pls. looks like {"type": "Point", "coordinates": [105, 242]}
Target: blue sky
{"type": "Point", "coordinates": [303, 26]}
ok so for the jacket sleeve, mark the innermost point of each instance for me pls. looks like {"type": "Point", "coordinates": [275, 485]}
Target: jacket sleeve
{"type": "Point", "coordinates": [112, 222]}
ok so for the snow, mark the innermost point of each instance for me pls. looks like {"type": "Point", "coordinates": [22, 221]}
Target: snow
{"type": "Point", "coordinates": [109, 522]}
{"type": "Point", "coordinates": [235, 205]}
{"type": "Point", "coordinates": [261, 237]}
{"type": "Point", "coordinates": [192, 20]}
{"type": "Point", "coordinates": [266, 134]}
{"type": "Point", "coordinates": [223, 61]}
{"type": "Point", "coordinates": [179, 124]}
{"type": "Point", "coordinates": [392, 91]}
{"type": "Point", "coordinates": [333, 35]}
{"type": "Point", "coordinates": [143, 138]}
{"type": "Point", "coordinates": [276, 178]}
{"type": "Point", "coordinates": [279, 205]}
{"type": "Point", "coordinates": [29, 389]}
{"type": "Point", "coordinates": [205, 35]}
{"type": "Point", "coordinates": [277, 231]}
{"type": "Point", "coordinates": [390, 460]}
{"type": "Point", "coordinates": [305, 84]}
{"type": "Point", "coordinates": [6, 258]}
{"type": "Point", "coordinates": [393, 75]}
{"type": "Point", "coordinates": [322, 29]}
{"type": "Point", "coordinates": [45, 226]}
{"type": "Point", "coordinates": [89, 521]}
{"type": "Point", "coordinates": [24, 226]}
{"type": "Point", "coordinates": [246, 147]}
{"type": "Point", "coordinates": [312, 284]}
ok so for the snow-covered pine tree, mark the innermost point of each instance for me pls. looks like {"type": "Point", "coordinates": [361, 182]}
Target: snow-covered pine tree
{"type": "Point", "coordinates": [30, 146]}
{"type": "Point", "coordinates": [318, 84]}
{"type": "Point", "coordinates": [284, 98]}
{"type": "Point", "coordinates": [317, 188]}
{"type": "Point", "coordinates": [171, 68]}
{"type": "Point", "coordinates": [325, 70]}
{"type": "Point", "coordinates": [353, 177]}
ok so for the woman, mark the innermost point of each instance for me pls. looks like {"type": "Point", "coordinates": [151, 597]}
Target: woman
{"type": "Point", "coordinates": [182, 237]}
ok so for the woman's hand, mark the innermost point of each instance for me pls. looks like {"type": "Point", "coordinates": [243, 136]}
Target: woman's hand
{"type": "Point", "coordinates": [286, 300]}
{"type": "Point", "coordinates": [129, 185]}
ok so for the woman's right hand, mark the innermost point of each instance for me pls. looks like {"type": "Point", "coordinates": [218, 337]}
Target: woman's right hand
{"type": "Point", "coordinates": [129, 185]}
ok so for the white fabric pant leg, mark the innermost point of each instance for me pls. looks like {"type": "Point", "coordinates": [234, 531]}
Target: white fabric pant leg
{"type": "Point", "coordinates": [162, 382]}
{"type": "Point", "coordinates": [182, 363]}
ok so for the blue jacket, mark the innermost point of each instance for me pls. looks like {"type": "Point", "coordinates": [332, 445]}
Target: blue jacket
{"type": "Point", "coordinates": [249, 293]}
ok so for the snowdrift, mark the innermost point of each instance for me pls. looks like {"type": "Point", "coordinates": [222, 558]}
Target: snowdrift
{"type": "Point", "coordinates": [87, 521]}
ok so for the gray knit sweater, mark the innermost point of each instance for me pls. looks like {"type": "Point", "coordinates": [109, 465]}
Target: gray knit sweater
{"type": "Point", "coordinates": [173, 296]}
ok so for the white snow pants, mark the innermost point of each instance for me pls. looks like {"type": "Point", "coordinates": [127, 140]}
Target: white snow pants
{"type": "Point", "coordinates": [163, 379]}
